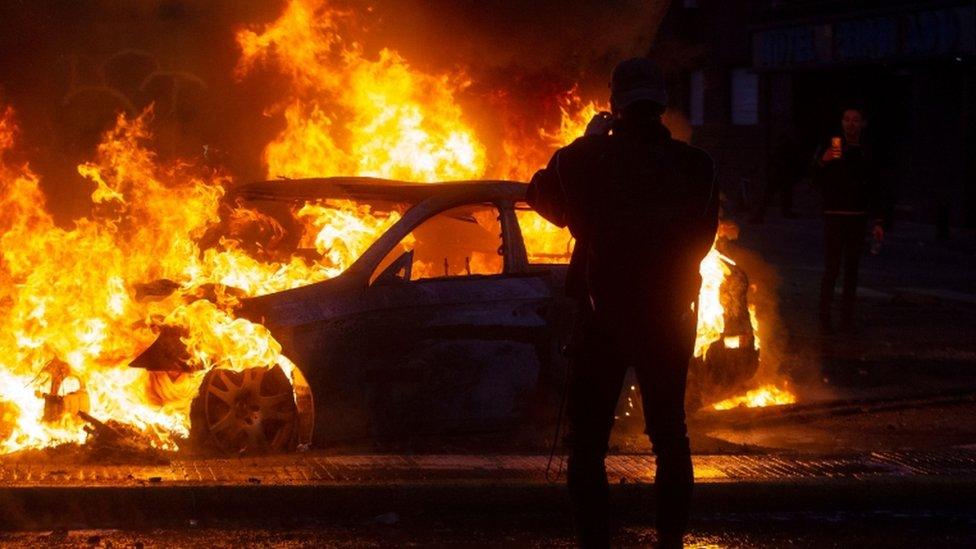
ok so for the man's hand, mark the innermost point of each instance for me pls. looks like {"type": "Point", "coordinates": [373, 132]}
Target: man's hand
{"type": "Point", "coordinates": [601, 124]}
{"type": "Point", "coordinates": [830, 155]}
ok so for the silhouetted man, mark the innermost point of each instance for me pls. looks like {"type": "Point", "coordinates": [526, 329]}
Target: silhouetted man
{"type": "Point", "coordinates": [847, 173]}
{"type": "Point", "coordinates": [643, 209]}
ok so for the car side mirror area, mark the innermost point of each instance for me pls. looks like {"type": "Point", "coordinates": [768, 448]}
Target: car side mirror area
{"type": "Point", "coordinates": [397, 272]}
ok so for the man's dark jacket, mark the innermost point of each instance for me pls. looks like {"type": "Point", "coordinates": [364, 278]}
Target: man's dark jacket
{"type": "Point", "coordinates": [852, 184]}
{"type": "Point", "coordinates": [643, 208]}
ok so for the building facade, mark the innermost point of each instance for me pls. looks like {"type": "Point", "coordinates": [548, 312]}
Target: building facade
{"type": "Point", "coordinates": [751, 75]}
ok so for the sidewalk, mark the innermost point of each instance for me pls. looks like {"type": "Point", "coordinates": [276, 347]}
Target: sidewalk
{"type": "Point", "coordinates": [313, 485]}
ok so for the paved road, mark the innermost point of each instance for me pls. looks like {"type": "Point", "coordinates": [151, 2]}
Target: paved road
{"type": "Point", "coordinates": [713, 531]}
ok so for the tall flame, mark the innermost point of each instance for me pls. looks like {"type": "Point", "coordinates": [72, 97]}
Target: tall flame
{"type": "Point", "coordinates": [714, 270]}
{"type": "Point", "coordinates": [68, 294]}
{"type": "Point", "coordinates": [72, 296]}
{"type": "Point", "coordinates": [351, 114]}
{"type": "Point", "coordinates": [711, 315]}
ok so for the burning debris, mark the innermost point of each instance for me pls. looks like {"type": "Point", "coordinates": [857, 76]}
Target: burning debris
{"type": "Point", "coordinates": [58, 404]}
{"type": "Point", "coordinates": [118, 442]}
{"type": "Point", "coordinates": [766, 395]}
{"type": "Point", "coordinates": [728, 355]}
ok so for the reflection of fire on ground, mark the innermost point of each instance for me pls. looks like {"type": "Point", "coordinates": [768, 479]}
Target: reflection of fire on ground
{"type": "Point", "coordinates": [78, 303]}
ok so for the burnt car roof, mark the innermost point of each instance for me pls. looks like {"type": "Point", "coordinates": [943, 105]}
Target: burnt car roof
{"type": "Point", "coordinates": [366, 189]}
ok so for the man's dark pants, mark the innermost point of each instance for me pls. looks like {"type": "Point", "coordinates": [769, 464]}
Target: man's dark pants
{"type": "Point", "coordinates": [659, 348]}
{"type": "Point", "coordinates": [843, 244]}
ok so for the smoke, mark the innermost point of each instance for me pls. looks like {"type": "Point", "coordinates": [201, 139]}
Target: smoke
{"type": "Point", "coordinates": [578, 40]}
{"type": "Point", "coordinates": [763, 295]}
{"type": "Point", "coordinates": [521, 57]}
{"type": "Point", "coordinates": [778, 365]}
{"type": "Point", "coordinates": [69, 67]}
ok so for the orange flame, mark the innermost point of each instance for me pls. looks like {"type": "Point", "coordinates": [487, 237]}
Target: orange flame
{"type": "Point", "coordinates": [72, 294]}
{"type": "Point", "coordinates": [711, 315]}
{"type": "Point", "coordinates": [766, 395]}
{"type": "Point", "coordinates": [714, 269]}
{"type": "Point", "coordinates": [353, 115]}
{"type": "Point", "coordinates": [544, 242]}
{"type": "Point", "coordinates": [67, 294]}
{"type": "Point", "coordinates": [350, 114]}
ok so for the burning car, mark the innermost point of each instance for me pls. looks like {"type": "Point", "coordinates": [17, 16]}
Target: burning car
{"type": "Point", "coordinates": [443, 323]}
{"type": "Point", "coordinates": [447, 322]}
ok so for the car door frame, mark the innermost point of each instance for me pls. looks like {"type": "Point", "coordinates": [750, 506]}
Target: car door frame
{"type": "Point", "coordinates": [508, 313]}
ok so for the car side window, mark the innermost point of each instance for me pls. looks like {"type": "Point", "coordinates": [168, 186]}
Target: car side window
{"type": "Point", "coordinates": [461, 241]}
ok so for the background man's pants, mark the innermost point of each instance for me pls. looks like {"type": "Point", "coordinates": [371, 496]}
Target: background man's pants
{"type": "Point", "coordinates": [659, 351]}
{"type": "Point", "coordinates": [843, 242]}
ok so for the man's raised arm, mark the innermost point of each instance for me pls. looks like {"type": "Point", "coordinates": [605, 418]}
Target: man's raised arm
{"type": "Point", "coordinates": [547, 194]}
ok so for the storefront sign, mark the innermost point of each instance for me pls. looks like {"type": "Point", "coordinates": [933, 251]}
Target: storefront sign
{"type": "Point", "coordinates": [901, 36]}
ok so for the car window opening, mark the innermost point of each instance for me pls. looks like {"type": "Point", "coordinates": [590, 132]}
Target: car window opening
{"type": "Point", "coordinates": [462, 241]}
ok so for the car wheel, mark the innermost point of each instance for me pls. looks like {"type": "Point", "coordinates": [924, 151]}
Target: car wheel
{"type": "Point", "coordinates": [254, 411]}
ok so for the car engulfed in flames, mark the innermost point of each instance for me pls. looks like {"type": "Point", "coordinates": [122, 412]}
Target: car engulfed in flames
{"type": "Point", "coordinates": [445, 322]}
{"type": "Point", "coordinates": [449, 321]}
{"type": "Point", "coordinates": [401, 307]}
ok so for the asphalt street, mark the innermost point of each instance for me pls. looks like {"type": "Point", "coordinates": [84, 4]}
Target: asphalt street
{"type": "Point", "coordinates": [711, 531]}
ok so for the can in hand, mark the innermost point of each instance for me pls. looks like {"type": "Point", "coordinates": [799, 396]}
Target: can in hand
{"type": "Point", "coordinates": [836, 146]}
